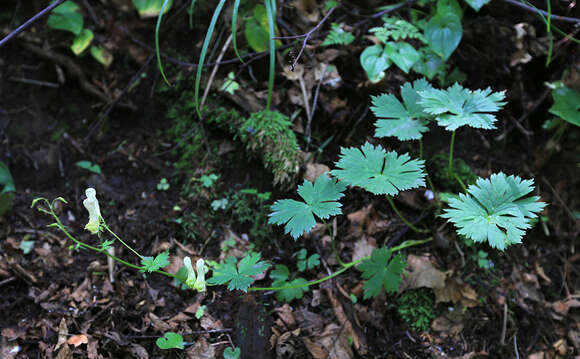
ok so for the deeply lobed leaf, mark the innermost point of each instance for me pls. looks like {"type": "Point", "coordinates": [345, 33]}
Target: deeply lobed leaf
{"type": "Point", "coordinates": [457, 106]}
{"type": "Point", "coordinates": [495, 210]}
{"type": "Point", "coordinates": [240, 276]}
{"type": "Point", "coordinates": [320, 198]}
{"type": "Point", "coordinates": [379, 171]}
{"type": "Point", "coordinates": [381, 271]}
{"type": "Point", "coordinates": [404, 121]}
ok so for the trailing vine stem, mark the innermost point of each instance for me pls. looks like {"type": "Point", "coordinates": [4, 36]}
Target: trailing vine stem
{"type": "Point", "coordinates": [409, 224]}
{"type": "Point", "coordinates": [58, 224]}
{"type": "Point", "coordinates": [347, 266]}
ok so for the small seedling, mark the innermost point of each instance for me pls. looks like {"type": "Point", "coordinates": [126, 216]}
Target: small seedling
{"type": "Point", "coordinates": [232, 353]}
{"type": "Point", "coordinates": [200, 311]}
{"type": "Point", "coordinates": [170, 341]}
{"type": "Point", "coordinates": [89, 166]}
{"type": "Point", "coordinates": [163, 185]}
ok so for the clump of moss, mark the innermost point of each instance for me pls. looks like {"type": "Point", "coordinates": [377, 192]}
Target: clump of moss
{"type": "Point", "coordinates": [417, 308]}
{"type": "Point", "coordinates": [438, 167]}
{"type": "Point", "coordinates": [270, 133]}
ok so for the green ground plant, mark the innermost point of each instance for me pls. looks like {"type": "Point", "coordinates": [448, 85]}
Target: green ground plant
{"type": "Point", "coordinates": [417, 308]}
{"type": "Point", "coordinates": [497, 210]}
{"type": "Point", "coordinates": [67, 17]}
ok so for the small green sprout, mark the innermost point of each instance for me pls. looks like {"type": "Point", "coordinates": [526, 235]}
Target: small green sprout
{"type": "Point", "coordinates": [163, 185]}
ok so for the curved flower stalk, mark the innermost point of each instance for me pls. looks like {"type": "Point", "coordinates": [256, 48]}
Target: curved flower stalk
{"type": "Point", "coordinates": [92, 205]}
{"type": "Point", "coordinates": [193, 282]}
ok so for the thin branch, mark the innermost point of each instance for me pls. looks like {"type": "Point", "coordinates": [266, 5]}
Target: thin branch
{"type": "Point", "coordinates": [215, 68]}
{"type": "Point", "coordinates": [552, 16]}
{"type": "Point", "coordinates": [306, 37]}
{"type": "Point", "coordinates": [30, 21]}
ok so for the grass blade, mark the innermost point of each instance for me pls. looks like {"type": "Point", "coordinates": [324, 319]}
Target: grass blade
{"type": "Point", "coordinates": [208, 35]}
{"type": "Point", "coordinates": [190, 13]}
{"type": "Point", "coordinates": [157, 52]}
{"type": "Point", "coordinates": [271, 12]}
{"type": "Point", "coordinates": [234, 28]}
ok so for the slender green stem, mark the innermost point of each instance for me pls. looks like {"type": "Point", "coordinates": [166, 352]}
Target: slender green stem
{"type": "Point", "coordinates": [346, 267]}
{"type": "Point", "coordinates": [331, 232]}
{"type": "Point", "coordinates": [409, 224]}
{"type": "Point", "coordinates": [460, 182]}
{"type": "Point", "coordinates": [313, 282]}
{"type": "Point", "coordinates": [549, 30]}
{"type": "Point", "coordinates": [120, 240]}
{"type": "Point", "coordinates": [451, 152]}
{"type": "Point", "coordinates": [98, 250]}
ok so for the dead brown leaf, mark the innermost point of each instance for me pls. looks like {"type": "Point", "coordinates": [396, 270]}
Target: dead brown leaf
{"type": "Point", "coordinates": [138, 351]}
{"type": "Point", "coordinates": [62, 334]}
{"type": "Point", "coordinates": [158, 324]}
{"type": "Point", "coordinates": [363, 247]}
{"type": "Point", "coordinates": [563, 306]}
{"type": "Point", "coordinates": [359, 342]}
{"type": "Point", "coordinates": [456, 291]}
{"type": "Point", "coordinates": [285, 314]}
{"type": "Point", "coordinates": [421, 272]}
{"type": "Point", "coordinates": [14, 333]}
{"type": "Point", "coordinates": [201, 350]}
{"type": "Point", "coordinates": [92, 351]}
{"type": "Point", "coordinates": [315, 170]}
{"type": "Point", "coordinates": [332, 343]}
{"type": "Point", "coordinates": [77, 340]}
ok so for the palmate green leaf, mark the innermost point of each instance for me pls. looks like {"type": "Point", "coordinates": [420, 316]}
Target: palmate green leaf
{"type": "Point", "coordinates": [379, 171]}
{"type": "Point", "coordinates": [495, 210]}
{"type": "Point", "coordinates": [406, 122]}
{"type": "Point", "coordinates": [240, 276]}
{"type": "Point", "coordinates": [382, 271]}
{"type": "Point", "coordinates": [320, 199]}
{"type": "Point", "coordinates": [151, 264]}
{"type": "Point", "coordinates": [457, 106]}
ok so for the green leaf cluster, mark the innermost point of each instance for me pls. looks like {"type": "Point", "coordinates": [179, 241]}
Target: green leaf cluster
{"type": "Point", "coordinates": [238, 275]}
{"type": "Point", "coordinates": [151, 264]}
{"type": "Point", "coordinates": [337, 36]}
{"type": "Point", "coordinates": [280, 276]}
{"type": "Point", "coordinates": [306, 262]}
{"type": "Point", "coordinates": [396, 29]}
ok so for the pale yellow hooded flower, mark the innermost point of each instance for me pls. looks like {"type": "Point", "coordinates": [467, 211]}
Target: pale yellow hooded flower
{"type": "Point", "coordinates": [92, 205]}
